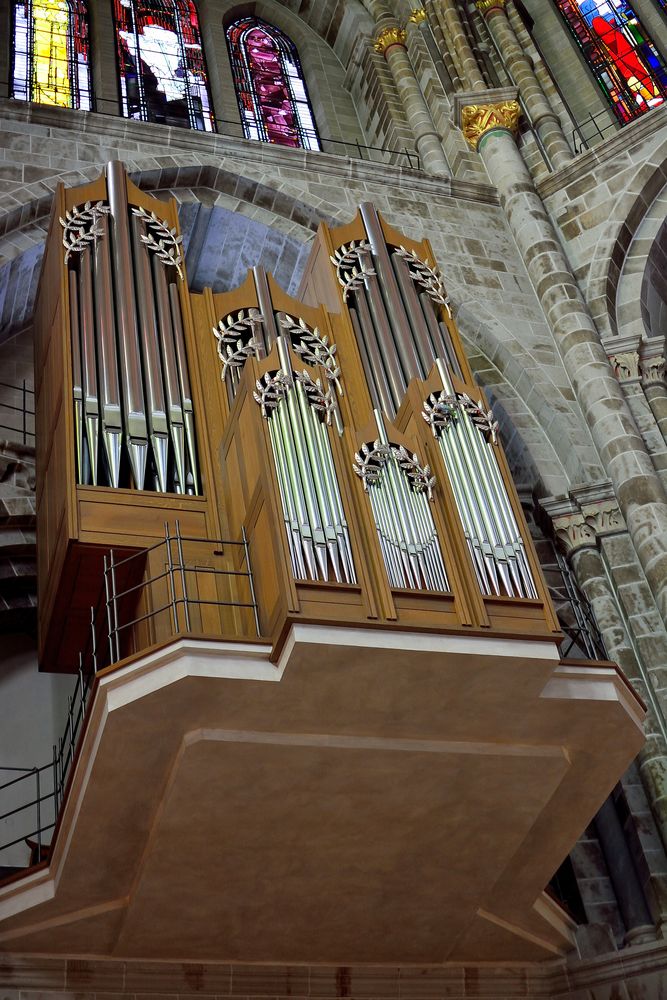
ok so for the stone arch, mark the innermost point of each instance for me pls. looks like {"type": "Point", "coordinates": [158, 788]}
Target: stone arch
{"type": "Point", "coordinates": [631, 292]}
{"type": "Point", "coordinates": [611, 251]}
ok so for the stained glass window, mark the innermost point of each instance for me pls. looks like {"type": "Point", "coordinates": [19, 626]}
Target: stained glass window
{"type": "Point", "coordinates": [51, 57]}
{"type": "Point", "coordinates": [270, 88]}
{"type": "Point", "coordinates": [620, 53]}
{"type": "Point", "coordinates": [161, 63]}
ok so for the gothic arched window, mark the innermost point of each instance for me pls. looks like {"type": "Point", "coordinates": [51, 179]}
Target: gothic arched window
{"type": "Point", "coordinates": [161, 63]}
{"type": "Point", "coordinates": [269, 83]}
{"type": "Point", "coordinates": [626, 63]}
{"type": "Point", "coordinates": [51, 57]}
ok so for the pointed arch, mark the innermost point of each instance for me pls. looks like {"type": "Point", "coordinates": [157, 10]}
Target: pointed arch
{"type": "Point", "coordinates": [270, 86]}
{"type": "Point", "coordinates": [620, 53]}
{"type": "Point", "coordinates": [161, 63]}
{"type": "Point", "coordinates": [51, 53]}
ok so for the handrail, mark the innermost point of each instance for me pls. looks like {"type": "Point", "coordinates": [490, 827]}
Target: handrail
{"type": "Point", "coordinates": [48, 782]}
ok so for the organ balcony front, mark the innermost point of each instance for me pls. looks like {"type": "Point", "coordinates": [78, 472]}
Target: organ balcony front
{"type": "Point", "coordinates": [326, 718]}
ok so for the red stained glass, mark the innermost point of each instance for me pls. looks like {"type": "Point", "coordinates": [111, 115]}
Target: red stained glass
{"type": "Point", "coordinates": [269, 85]}
{"type": "Point", "coordinates": [619, 51]}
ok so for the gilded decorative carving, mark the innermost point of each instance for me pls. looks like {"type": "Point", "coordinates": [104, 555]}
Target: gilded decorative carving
{"type": "Point", "coordinates": [486, 5]}
{"type": "Point", "coordinates": [478, 119]}
{"type": "Point", "coordinates": [417, 16]}
{"type": "Point", "coordinates": [388, 37]}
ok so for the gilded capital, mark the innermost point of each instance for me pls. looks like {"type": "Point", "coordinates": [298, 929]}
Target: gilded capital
{"type": "Point", "coordinates": [388, 37]}
{"type": "Point", "coordinates": [418, 15]}
{"type": "Point", "coordinates": [479, 119]}
{"type": "Point", "coordinates": [486, 5]}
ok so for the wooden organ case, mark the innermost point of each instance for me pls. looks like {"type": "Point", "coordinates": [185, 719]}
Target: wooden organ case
{"type": "Point", "coordinates": [346, 441]}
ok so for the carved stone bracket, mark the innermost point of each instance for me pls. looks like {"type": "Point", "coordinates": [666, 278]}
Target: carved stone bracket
{"type": "Point", "coordinates": [625, 365]}
{"type": "Point", "coordinates": [479, 113]}
{"type": "Point", "coordinates": [387, 37]}
{"type": "Point", "coordinates": [652, 370]}
{"type": "Point", "coordinates": [586, 515]}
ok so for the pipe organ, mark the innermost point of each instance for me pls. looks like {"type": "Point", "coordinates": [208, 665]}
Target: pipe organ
{"type": "Point", "coordinates": [343, 434]}
{"type": "Point", "coordinates": [281, 531]}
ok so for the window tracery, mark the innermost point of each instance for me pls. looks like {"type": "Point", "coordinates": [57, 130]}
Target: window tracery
{"type": "Point", "coordinates": [51, 56]}
{"type": "Point", "coordinates": [619, 51]}
{"type": "Point", "coordinates": [270, 87]}
{"type": "Point", "coordinates": [161, 63]}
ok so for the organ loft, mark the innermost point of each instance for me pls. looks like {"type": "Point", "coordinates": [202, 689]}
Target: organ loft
{"type": "Point", "coordinates": [320, 697]}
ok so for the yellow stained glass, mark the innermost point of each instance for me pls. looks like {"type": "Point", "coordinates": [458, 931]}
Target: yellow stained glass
{"type": "Point", "coordinates": [51, 78]}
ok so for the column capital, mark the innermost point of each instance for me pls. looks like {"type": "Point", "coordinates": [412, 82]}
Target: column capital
{"type": "Point", "coordinates": [481, 112]}
{"type": "Point", "coordinates": [625, 365]}
{"type": "Point", "coordinates": [588, 513]}
{"type": "Point", "coordinates": [485, 6]}
{"type": "Point", "coordinates": [417, 15]}
{"type": "Point", "coordinates": [653, 370]}
{"type": "Point", "coordinates": [386, 37]}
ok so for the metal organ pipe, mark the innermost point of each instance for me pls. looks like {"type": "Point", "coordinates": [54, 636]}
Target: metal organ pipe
{"type": "Point", "coordinates": [156, 407]}
{"type": "Point", "coordinates": [91, 408]}
{"type": "Point", "coordinates": [110, 395]}
{"type": "Point", "coordinates": [192, 477]}
{"type": "Point", "coordinates": [170, 372]}
{"type": "Point", "coordinates": [77, 376]}
{"type": "Point", "coordinates": [136, 427]}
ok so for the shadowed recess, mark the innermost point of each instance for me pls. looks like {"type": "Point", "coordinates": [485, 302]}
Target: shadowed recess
{"type": "Point", "coordinates": [221, 245]}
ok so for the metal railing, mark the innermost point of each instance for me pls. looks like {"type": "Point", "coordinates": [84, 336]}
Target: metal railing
{"type": "Point", "coordinates": [233, 129]}
{"type": "Point", "coordinates": [18, 418]}
{"type": "Point", "coordinates": [159, 604]}
{"type": "Point", "coordinates": [593, 129]}
{"type": "Point", "coordinates": [583, 640]}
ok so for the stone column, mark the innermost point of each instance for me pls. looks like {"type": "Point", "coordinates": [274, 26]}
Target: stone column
{"type": "Point", "coordinates": [624, 360]}
{"type": "Point", "coordinates": [463, 54]}
{"type": "Point", "coordinates": [438, 34]}
{"type": "Point", "coordinates": [576, 531]}
{"type": "Point", "coordinates": [631, 900]}
{"type": "Point", "coordinates": [542, 116]}
{"type": "Point", "coordinates": [390, 42]}
{"type": "Point", "coordinates": [490, 128]}
{"type": "Point", "coordinates": [655, 390]}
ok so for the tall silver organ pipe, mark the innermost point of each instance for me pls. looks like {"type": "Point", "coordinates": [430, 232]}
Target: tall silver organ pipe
{"type": "Point", "coordinates": [136, 426]}
{"type": "Point", "coordinates": [110, 397]}
{"type": "Point", "coordinates": [134, 415]}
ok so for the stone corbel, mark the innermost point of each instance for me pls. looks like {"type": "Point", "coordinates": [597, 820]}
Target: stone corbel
{"type": "Point", "coordinates": [587, 514]}
{"type": "Point", "coordinates": [479, 113]}
{"type": "Point", "coordinates": [652, 366]}
{"type": "Point", "coordinates": [625, 365]}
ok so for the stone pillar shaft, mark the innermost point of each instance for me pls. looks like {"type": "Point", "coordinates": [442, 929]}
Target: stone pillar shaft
{"type": "Point", "coordinates": [591, 576]}
{"type": "Point", "coordinates": [542, 116]}
{"type": "Point", "coordinates": [639, 492]}
{"type": "Point", "coordinates": [463, 55]}
{"type": "Point", "coordinates": [656, 395]}
{"type": "Point", "coordinates": [631, 901]}
{"type": "Point", "coordinates": [391, 42]}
